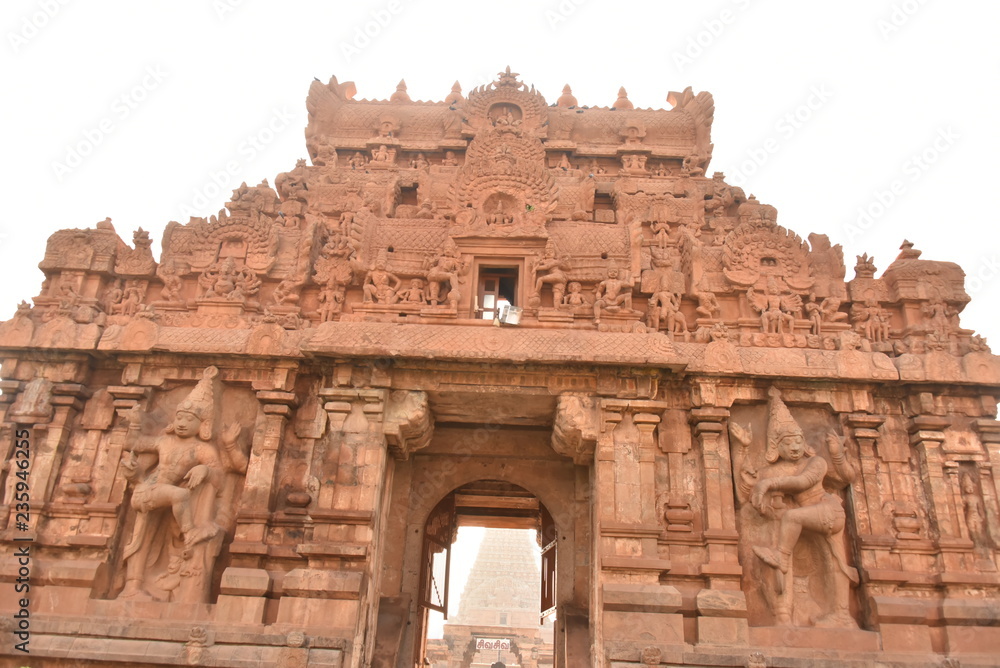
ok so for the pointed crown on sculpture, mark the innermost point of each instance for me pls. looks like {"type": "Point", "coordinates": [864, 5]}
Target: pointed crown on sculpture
{"type": "Point", "coordinates": [201, 403]}
{"type": "Point", "coordinates": [780, 424]}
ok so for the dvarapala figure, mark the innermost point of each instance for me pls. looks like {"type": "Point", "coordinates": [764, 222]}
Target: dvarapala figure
{"type": "Point", "coordinates": [174, 559]}
{"type": "Point", "coordinates": [791, 498]}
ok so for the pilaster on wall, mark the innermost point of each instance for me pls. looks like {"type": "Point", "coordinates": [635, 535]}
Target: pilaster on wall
{"type": "Point", "coordinates": [721, 608]}
{"type": "Point", "coordinates": [257, 500]}
{"type": "Point", "coordinates": [340, 584]}
{"type": "Point", "coordinates": [632, 604]}
{"type": "Point", "coordinates": [709, 425]}
{"type": "Point", "coordinates": [927, 436]}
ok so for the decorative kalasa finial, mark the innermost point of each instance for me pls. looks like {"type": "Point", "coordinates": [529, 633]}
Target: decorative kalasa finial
{"type": "Point", "coordinates": [508, 78]}
{"type": "Point", "coordinates": [455, 96]}
{"type": "Point", "coordinates": [623, 102]}
{"type": "Point", "coordinates": [400, 95]}
{"type": "Point", "coordinates": [566, 100]}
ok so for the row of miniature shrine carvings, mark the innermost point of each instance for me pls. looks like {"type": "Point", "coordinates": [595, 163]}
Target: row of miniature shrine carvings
{"type": "Point", "coordinates": [443, 282]}
{"type": "Point", "coordinates": [384, 156]}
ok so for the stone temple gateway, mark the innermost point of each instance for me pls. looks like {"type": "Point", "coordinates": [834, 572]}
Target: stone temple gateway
{"type": "Point", "coordinates": [496, 311]}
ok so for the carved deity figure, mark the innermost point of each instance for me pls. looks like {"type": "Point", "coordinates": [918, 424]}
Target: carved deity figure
{"type": "Point", "coordinates": [381, 154]}
{"type": "Point", "coordinates": [419, 162]}
{"type": "Point", "coordinates": [975, 514]}
{"type": "Point", "coordinates": [113, 296]}
{"type": "Point", "coordinates": [449, 159]}
{"type": "Point", "coordinates": [357, 161]}
{"type": "Point", "coordinates": [326, 153]}
{"type": "Point", "coordinates": [220, 280]}
{"type": "Point", "coordinates": [612, 294]}
{"type": "Point", "coordinates": [777, 311]}
{"type": "Point", "coordinates": [550, 269]}
{"type": "Point", "coordinates": [790, 500]}
{"type": "Point", "coordinates": [708, 305]}
{"type": "Point", "coordinates": [939, 317]}
{"type": "Point", "coordinates": [665, 309]}
{"type": "Point", "coordinates": [225, 281]}
{"type": "Point", "coordinates": [178, 502]}
{"type": "Point", "coordinates": [826, 311]}
{"type": "Point", "coordinates": [172, 283]}
{"type": "Point", "coordinates": [499, 216]}
{"type": "Point", "coordinates": [446, 267]}
{"type": "Point", "coordinates": [415, 294]}
{"type": "Point", "coordinates": [131, 301]}
{"type": "Point", "coordinates": [381, 285]}
{"type": "Point", "coordinates": [871, 321]}
{"type": "Point", "coordinates": [287, 292]}
{"type": "Point", "coordinates": [575, 297]}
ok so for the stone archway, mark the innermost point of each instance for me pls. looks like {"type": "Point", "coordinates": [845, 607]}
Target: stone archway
{"type": "Point", "coordinates": [505, 596]}
{"type": "Point", "coordinates": [514, 455]}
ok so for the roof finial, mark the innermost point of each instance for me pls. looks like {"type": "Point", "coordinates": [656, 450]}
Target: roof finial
{"type": "Point", "coordinates": [623, 102]}
{"type": "Point", "coordinates": [455, 96]}
{"type": "Point", "coordinates": [566, 99]}
{"type": "Point", "coordinates": [400, 95]}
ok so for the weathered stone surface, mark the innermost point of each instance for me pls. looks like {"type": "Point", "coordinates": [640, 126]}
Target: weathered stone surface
{"type": "Point", "coordinates": [492, 311]}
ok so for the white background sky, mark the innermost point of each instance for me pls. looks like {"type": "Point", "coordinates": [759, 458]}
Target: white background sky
{"type": "Point", "coordinates": [886, 78]}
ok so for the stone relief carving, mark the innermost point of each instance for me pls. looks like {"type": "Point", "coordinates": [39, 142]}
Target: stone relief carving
{"type": "Point", "coordinates": [613, 294]}
{"type": "Point", "coordinates": [180, 501]}
{"type": "Point", "coordinates": [550, 269]}
{"type": "Point", "coordinates": [445, 268]}
{"type": "Point", "coordinates": [793, 525]}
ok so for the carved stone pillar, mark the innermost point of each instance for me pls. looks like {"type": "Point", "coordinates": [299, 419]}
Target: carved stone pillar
{"type": "Point", "coordinates": [633, 605]}
{"type": "Point", "coordinates": [108, 485]}
{"type": "Point", "coordinates": [341, 582]}
{"type": "Point", "coordinates": [49, 438]}
{"type": "Point", "coordinates": [257, 500]}
{"type": "Point", "coordinates": [989, 471]}
{"type": "Point", "coordinates": [927, 435]}
{"type": "Point", "coordinates": [709, 426]}
{"type": "Point", "coordinates": [722, 607]}
{"type": "Point", "coordinates": [874, 526]}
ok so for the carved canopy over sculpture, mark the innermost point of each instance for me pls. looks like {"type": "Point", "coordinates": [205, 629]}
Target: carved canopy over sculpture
{"type": "Point", "coordinates": [761, 248]}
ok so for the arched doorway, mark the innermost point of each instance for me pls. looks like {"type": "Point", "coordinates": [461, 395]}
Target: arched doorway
{"type": "Point", "coordinates": [509, 600]}
{"type": "Point", "coordinates": [516, 456]}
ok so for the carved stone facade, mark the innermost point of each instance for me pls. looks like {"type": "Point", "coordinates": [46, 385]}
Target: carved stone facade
{"type": "Point", "coordinates": [258, 446]}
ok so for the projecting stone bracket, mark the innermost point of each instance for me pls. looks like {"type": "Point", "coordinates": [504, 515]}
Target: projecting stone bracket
{"type": "Point", "coordinates": [574, 431]}
{"type": "Point", "coordinates": [409, 424]}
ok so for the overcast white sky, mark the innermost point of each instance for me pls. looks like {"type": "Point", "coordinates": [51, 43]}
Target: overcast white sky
{"type": "Point", "coordinates": [877, 85]}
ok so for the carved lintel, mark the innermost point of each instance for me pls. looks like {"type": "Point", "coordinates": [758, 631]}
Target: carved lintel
{"type": "Point", "coordinates": [409, 424]}
{"type": "Point", "coordinates": [574, 430]}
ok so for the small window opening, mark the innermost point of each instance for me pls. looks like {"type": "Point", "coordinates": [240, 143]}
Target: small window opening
{"type": "Point", "coordinates": [497, 290]}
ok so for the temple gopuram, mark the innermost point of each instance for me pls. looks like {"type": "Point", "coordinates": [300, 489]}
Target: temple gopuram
{"type": "Point", "coordinates": [495, 311]}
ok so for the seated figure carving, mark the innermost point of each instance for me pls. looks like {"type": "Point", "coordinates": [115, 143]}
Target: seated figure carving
{"type": "Point", "coordinates": [613, 294]}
